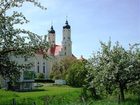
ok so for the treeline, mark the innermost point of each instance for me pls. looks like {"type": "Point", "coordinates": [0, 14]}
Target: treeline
{"type": "Point", "coordinates": [113, 69]}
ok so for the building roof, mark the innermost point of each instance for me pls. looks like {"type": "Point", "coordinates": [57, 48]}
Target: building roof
{"type": "Point", "coordinates": [55, 50]}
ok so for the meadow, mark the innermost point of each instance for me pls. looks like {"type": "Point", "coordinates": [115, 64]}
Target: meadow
{"type": "Point", "coordinates": [57, 95]}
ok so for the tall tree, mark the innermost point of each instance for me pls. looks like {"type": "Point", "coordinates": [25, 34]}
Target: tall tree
{"type": "Point", "coordinates": [116, 67]}
{"type": "Point", "coordinates": [60, 68]}
{"type": "Point", "coordinates": [16, 41]}
{"type": "Point", "coordinates": [77, 73]}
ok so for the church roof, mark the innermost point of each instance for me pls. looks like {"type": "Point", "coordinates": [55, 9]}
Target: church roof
{"type": "Point", "coordinates": [55, 50]}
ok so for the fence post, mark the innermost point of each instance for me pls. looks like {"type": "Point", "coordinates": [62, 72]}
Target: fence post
{"type": "Point", "coordinates": [34, 103]}
{"type": "Point", "coordinates": [14, 101]}
{"type": "Point", "coordinates": [46, 102]}
{"type": "Point", "coordinates": [119, 99]}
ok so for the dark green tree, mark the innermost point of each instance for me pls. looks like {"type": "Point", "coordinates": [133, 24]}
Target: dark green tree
{"type": "Point", "coordinates": [77, 74]}
{"type": "Point", "coordinates": [60, 68]}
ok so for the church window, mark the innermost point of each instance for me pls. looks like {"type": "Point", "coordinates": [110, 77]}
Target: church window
{"type": "Point", "coordinates": [64, 37]}
{"type": "Point", "coordinates": [38, 67]}
{"type": "Point", "coordinates": [44, 67]}
{"type": "Point", "coordinates": [65, 48]}
{"type": "Point", "coordinates": [65, 53]}
{"type": "Point", "coordinates": [25, 58]}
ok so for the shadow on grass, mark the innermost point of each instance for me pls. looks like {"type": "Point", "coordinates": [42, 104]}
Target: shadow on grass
{"type": "Point", "coordinates": [132, 101]}
{"type": "Point", "coordinates": [34, 90]}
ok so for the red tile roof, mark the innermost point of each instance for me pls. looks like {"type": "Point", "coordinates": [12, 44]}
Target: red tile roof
{"type": "Point", "coordinates": [55, 50]}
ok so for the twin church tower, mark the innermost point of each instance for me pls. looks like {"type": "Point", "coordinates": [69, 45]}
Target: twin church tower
{"type": "Point", "coordinates": [61, 50]}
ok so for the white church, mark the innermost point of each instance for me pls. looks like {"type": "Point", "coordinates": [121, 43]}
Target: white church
{"type": "Point", "coordinates": [55, 52]}
{"type": "Point", "coordinates": [43, 65]}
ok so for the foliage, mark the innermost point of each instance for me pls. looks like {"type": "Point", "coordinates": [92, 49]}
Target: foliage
{"type": "Point", "coordinates": [114, 68]}
{"type": "Point", "coordinates": [28, 75]}
{"type": "Point", "coordinates": [16, 41]}
{"type": "Point", "coordinates": [76, 74]}
{"type": "Point", "coordinates": [60, 68]}
{"type": "Point", "coordinates": [40, 76]}
{"type": "Point", "coordinates": [71, 69]}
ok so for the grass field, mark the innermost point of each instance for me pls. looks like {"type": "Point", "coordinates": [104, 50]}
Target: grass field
{"type": "Point", "coordinates": [47, 94]}
{"type": "Point", "coordinates": [56, 95]}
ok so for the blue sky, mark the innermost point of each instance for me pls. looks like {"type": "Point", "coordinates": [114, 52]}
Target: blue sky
{"type": "Point", "coordinates": [91, 21]}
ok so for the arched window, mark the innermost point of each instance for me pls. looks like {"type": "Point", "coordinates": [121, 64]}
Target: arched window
{"type": "Point", "coordinates": [25, 58]}
{"type": "Point", "coordinates": [44, 67]}
{"type": "Point", "coordinates": [38, 67]}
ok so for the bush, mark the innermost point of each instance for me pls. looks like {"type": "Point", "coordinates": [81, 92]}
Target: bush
{"type": "Point", "coordinates": [76, 74]}
{"type": "Point", "coordinates": [40, 76]}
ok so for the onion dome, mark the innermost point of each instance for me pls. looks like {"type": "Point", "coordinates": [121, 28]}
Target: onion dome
{"type": "Point", "coordinates": [51, 30]}
{"type": "Point", "coordinates": [67, 26]}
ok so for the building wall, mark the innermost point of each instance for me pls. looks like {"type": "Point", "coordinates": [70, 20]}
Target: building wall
{"type": "Point", "coordinates": [3, 83]}
{"type": "Point", "coordinates": [40, 64]}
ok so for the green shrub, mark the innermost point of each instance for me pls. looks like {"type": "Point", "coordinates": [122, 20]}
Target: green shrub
{"type": "Point", "coordinates": [76, 74]}
{"type": "Point", "coordinates": [40, 76]}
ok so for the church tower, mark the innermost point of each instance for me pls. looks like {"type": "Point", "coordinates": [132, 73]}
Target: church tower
{"type": "Point", "coordinates": [66, 42]}
{"type": "Point", "coordinates": [51, 36]}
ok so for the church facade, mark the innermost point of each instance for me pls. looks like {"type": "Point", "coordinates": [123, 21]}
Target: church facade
{"type": "Point", "coordinates": [55, 52]}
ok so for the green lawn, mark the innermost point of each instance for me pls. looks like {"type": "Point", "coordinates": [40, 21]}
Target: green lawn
{"type": "Point", "coordinates": [39, 96]}
{"type": "Point", "coordinates": [57, 95]}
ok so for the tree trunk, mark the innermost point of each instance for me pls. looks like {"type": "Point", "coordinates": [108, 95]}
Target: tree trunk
{"type": "Point", "coordinates": [93, 92]}
{"type": "Point", "coordinates": [121, 91]}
